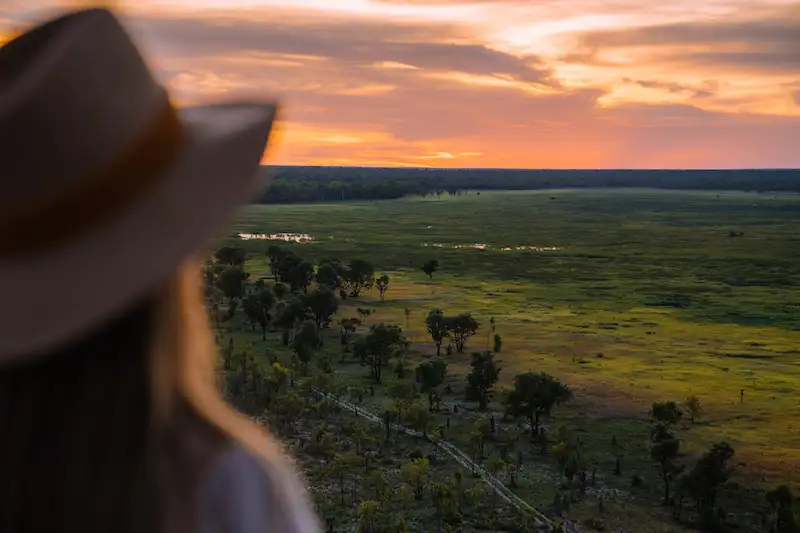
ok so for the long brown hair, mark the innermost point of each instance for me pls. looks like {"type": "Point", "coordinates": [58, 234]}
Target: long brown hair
{"type": "Point", "coordinates": [112, 432]}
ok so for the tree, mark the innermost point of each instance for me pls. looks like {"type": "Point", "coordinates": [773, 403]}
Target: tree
{"type": "Point", "coordinates": [256, 307]}
{"type": "Point", "coordinates": [415, 473]}
{"type": "Point", "coordinates": [383, 285]}
{"type": "Point", "coordinates": [288, 407]}
{"type": "Point", "coordinates": [364, 312]}
{"type": "Point", "coordinates": [390, 415]}
{"type": "Point", "coordinates": [711, 471]}
{"type": "Point", "coordinates": [323, 303]}
{"type": "Point", "coordinates": [568, 453]}
{"type": "Point", "coordinates": [444, 499]}
{"type": "Point", "coordinates": [383, 342]}
{"type": "Point", "coordinates": [304, 343]}
{"type": "Point", "coordinates": [667, 412]}
{"type": "Point", "coordinates": [280, 290]}
{"type": "Point", "coordinates": [231, 281]}
{"type": "Point", "coordinates": [438, 328]}
{"type": "Point", "coordinates": [535, 394]}
{"type": "Point", "coordinates": [230, 255]}
{"type": "Point", "coordinates": [289, 315]}
{"type": "Point", "coordinates": [481, 431]}
{"type": "Point", "coordinates": [482, 378]}
{"type": "Point", "coordinates": [348, 329]}
{"type": "Point", "coordinates": [418, 417]}
{"type": "Point", "coordinates": [342, 468]}
{"type": "Point", "coordinates": [664, 448]}
{"type": "Point", "coordinates": [430, 267]}
{"type": "Point", "coordinates": [282, 262]}
{"type": "Point", "coordinates": [693, 407]}
{"type": "Point", "coordinates": [494, 464]}
{"type": "Point", "coordinates": [498, 342]}
{"type": "Point", "coordinates": [431, 374]}
{"type": "Point", "coordinates": [329, 273]}
{"type": "Point", "coordinates": [368, 512]}
{"type": "Point", "coordinates": [300, 276]}
{"type": "Point", "coordinates": [358, 277]}
{"type": "Point", "coordinates": [781, 502]}
{"type": "Point", "coordinates": [461, 328]}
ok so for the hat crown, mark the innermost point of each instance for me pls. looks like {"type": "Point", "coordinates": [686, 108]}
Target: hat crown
{"type": "Point", "coordinates": [74, 92]}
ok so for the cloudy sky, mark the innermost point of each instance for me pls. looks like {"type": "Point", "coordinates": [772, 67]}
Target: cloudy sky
{"type": "Point", "coordinates": [489, 83]}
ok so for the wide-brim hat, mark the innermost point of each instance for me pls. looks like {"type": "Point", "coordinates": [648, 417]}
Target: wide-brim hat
{"type": "Point", "coordinates": [106, 187]}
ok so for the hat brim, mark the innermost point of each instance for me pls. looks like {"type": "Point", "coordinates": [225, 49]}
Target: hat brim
{"type": "Point", "coordinates": [57, 296]}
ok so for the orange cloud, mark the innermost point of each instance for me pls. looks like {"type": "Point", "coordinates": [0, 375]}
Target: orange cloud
{"type": "Point", "coordinates": [585, 83]}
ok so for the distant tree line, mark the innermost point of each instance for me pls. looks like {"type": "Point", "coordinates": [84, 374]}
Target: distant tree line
{"type": "Point", "coordinates": [314, 184]}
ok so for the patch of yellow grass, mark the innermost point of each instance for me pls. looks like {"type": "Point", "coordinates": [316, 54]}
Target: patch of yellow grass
{"type": "Point", "coordinates": [678, 359]}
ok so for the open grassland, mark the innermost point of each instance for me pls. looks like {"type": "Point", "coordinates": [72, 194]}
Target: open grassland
{"type": "Point", "coordinates": [648, 295]}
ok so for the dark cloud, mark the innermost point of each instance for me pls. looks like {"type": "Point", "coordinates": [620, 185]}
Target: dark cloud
{"type": "Point", "coordinates": [703, 90]}
{"type": "Point", "coordinates": [767, 44]}
{"type": "Point", "coordinates": [425, 46]}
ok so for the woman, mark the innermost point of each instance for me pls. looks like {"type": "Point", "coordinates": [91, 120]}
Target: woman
{"type": "Point", "coordinates": [110, 415]}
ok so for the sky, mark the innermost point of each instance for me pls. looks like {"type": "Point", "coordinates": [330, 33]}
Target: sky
{"type": "Point", "coordinates": [487, 83]}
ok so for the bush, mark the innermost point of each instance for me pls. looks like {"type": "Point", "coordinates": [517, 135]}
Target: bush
{"type": "Point", "coordinates": [416, 453]}
{"type": "Point", "coordinates": [637, 481]}
{"type": "Point", "coordinates": [498, 342]}
{"type": "Point", "coordinates": [595, 523]}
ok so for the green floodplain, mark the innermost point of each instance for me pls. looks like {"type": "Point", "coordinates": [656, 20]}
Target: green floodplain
{"type": "Point", "coordinates": [628, 296]}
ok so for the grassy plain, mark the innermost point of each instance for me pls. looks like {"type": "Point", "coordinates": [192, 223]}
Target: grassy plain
{"type": "Point", "coordinates": [648, 296]}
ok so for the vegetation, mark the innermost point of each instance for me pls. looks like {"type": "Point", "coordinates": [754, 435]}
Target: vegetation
{"type": "Point", "coordinates": [586, 407]}
{"type": "Point", "coordinates": [327, 184]}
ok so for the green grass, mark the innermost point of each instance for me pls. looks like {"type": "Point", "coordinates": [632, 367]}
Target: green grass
{"type": "Point", "coordinates": [649, 279]}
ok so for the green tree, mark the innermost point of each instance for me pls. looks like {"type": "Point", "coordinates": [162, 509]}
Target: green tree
{"type": "Point", "coordinates": [568, 453]}
{"type": "Point", "coordinates": [781, 505]}
{"type": "Point", "coordinates": [535, 394]}
{"type": "Point", "coordinates": [289, 316]}
{"type": "Point", "coordinates": [379, 486]}
{"type": "Point", "coordinates": [415, 474]}
{"type": "Point", "coordinates": [429, 267]}
{"type": "Point", "coordinates": [323, 303]}
{"type": "Point", "coordinates": [329, 274]}
{"type": "Point", "coordinates": [664, 448]}
{"type": "Point", "coordinates": [444, 500]}
{"type": "Point", "coordinates": [711, 472]}
{"type": "Point", "coordinates": [300, 276]}
{"type": "Point", "coordinates": [257, 306]}
{"type": "Point", "coordinates": [389, 416]}
{"type": "Point", "coordinates": [379, 346]}
{"type": "Point", "coordinates": [288, 407]}
{"type": "Point", "coordinates": [481, 431]}
{"type": "Point", "coordinates": [418, 417]}
{"type": "Point", "coordinates": [230, 255]}
{"type": "Point", "coordinates": [383, 285]}
{"type": "Point", "coordinates": [358, 277]}
{"type": "Point", "coordinates": [667, 412]}
{"type": "Point", "coordinates": [482, 378]}
{"type": "Point", "coordinates": [431, 374]}
{"type": "Point", "coordinates": [438, 327]}
{"type": "Point", "coordinates": [231, 281]}
{"type": "Point", "coordinates": [368, 512]}
{"type": "Point", "coordinates": [461, 328]}
{"type": "Point", "coordinates": [305, 342]}
{"type": "Point", "coordinates": [693, 407]}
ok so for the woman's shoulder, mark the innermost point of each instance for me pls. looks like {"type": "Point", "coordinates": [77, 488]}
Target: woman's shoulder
{"type": "Point", "coordinates": [243, 493]}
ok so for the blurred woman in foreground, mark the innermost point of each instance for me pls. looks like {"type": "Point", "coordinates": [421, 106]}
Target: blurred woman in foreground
{"type": "Point", "coordinates": [110, 415]}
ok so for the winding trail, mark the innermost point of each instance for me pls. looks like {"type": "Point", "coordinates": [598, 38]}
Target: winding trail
{"type": "Point", "coordinates": [543, 523]}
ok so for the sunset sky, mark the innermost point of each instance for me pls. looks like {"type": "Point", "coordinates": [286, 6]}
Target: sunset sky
{"type": "Point", "coordinates": [492, 83]}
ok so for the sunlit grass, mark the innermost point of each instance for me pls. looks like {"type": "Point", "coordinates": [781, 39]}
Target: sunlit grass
{"type": "Point", "coordinates": [623, 252]}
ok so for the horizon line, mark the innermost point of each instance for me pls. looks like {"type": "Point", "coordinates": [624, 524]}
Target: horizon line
{"type": "Point", "coordinates": [535, 169]}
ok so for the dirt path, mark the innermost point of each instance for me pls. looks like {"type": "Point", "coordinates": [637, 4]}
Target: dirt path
{"type": "Point", "coordinates": [543, 523]}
